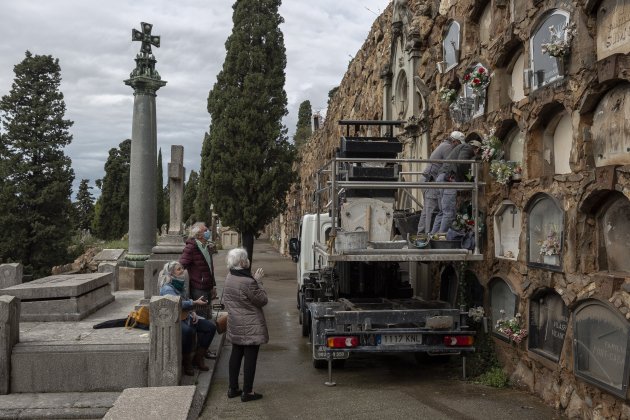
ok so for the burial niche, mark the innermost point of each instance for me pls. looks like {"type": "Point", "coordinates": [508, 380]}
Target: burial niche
{"type": "Point", "coordinates": [614, 226]}
{"type": "Point", "coordinates": [450, 46]}
{"type": "Point", "coordinates": [507, 231]}
{"type": "Point", "coordinates": [613, 27]}
{"type": "Point", "coordinates": [548, 320]}
{"type": "Point", "coordinates": [502, 303]}
{"type": "Point", "coordinates": [600, 347]}
{"type": "Point", "coordinates": [485, 26]}
{"type": "Point", "coordinates": [545, 67]}
{"type": "Point", "coordinates": [544, 231]}
{"type": "Point", "coordinates": [516, 90]}
{"type": "Point", "coordinates": [477, 96]}
{"type": "Point", "coordinates": [448, 285]}
{"type": "Point", "coordinates": [611, 128]}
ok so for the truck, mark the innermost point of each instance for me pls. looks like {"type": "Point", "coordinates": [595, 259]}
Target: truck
{"type": "Point", "coordinates": [353, 254]}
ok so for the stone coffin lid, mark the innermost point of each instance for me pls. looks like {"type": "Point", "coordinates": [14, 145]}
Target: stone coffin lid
{"type": "Point", "coordinates": [109, 255]}
{"type": "Point", "coordinates": [60, 286]}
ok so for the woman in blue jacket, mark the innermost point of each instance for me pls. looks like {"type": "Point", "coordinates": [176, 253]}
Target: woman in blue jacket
{"type": "Point", "coordinates": [172, 282]}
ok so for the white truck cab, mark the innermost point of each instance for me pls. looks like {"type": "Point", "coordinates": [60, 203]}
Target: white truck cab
{"type": "Point", "coordinates": [301, 248]}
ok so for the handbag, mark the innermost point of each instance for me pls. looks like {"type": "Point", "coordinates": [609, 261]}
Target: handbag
{"type": "Point", "coordinates": [138, 317]}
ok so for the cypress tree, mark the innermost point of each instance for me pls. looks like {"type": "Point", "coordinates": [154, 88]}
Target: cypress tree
{"type": "Point", "coordinates": [36, 175]}
{"type": "Point", "coordinates": [247, 164]}
{"type": "Point", "coordinates": [190, 195]}
{"type": "Point", "coordinates": [159, 192]}
{"type": "Point", "coordinates": [84, 206]}
{"type": "Point", "coordinates": [303, 128]}
{"type": "Point", "coordinates": [112, 219]}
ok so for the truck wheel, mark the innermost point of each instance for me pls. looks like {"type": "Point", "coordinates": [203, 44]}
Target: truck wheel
{"type": "Point", "coordinates": [305, 315]}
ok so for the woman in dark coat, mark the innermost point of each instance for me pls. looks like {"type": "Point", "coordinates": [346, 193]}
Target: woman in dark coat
{"type": "Point", "coordinates": [197, 260]}
{"type": "Point", "coordinates": [244, 298]}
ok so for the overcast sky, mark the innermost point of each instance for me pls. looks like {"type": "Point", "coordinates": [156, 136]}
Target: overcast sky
{"type": "Point", "coordinates": [92, 40]}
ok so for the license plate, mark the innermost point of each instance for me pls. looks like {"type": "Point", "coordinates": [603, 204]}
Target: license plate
{"type": "Point", "coordinates": [321, 354]}
{"type": "Point", "coordinates": [394, 339]}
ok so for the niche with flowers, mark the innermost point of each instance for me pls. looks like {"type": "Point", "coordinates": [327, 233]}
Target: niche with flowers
{"type": "Point", "coordinates": [545, 232]}
{"type": "Point", "coordinates": [548, 321]}
{"type": "Point", "coordinates": [549, 44]}
{"type": "Point", "coordinates": [503, 303]}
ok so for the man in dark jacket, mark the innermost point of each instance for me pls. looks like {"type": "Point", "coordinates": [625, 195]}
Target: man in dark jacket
{"type": "Point", "coordinates": [197, 260]}
{"type": "Point", "coordinates": [453, 172]}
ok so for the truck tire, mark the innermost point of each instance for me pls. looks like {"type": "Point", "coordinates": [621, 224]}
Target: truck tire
{"type": "Point", "coordinates": [305, 315]}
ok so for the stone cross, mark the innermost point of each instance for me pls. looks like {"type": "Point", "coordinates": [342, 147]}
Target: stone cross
{"type": "Point", "coordinates": [145, 37]}
{"type": "Point", "coordinates": [176, 189]}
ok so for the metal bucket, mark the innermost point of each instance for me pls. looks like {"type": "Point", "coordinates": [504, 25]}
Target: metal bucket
{"type": "Point", "coordinates": [348, 241]}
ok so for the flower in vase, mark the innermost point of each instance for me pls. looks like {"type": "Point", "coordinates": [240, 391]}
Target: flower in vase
{"type": "Point", "coordinates": [551, 244]}
{"type": "Point", "coordinates": [478, 78]}
{"type": "Point", "coordinates": [559, 44]}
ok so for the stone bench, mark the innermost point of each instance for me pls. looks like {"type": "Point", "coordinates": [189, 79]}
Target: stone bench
{"type": "Point", "coordinates": [62, 297]}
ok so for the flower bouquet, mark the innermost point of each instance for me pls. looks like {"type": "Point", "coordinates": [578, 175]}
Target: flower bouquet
{"type": "Point", "coordinates": [463, 223]}
{"type": "Point", "coordinates": [550, 245]}
{"type": "Point", "coordinates": [559, 44]}
{"type": "Point", "coordinates": [503, 170]}
{"type": "Point", "coordinates": [478, 78]}
{"type": "Point", "coordinates": [448, 95]}
{"type": "Point", "coordinates": [476, 314]}
{"type": "Point", "coordinates": [491, 148]}
{"type": "Point", "coordinates": [512, 328]}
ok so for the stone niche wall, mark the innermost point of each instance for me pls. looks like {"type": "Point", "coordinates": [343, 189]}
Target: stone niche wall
{"type": "Point", "coordinates": [594, 79]}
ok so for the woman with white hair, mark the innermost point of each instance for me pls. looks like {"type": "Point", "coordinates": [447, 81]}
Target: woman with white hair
{"type": "Point", "coordinates": [244, 298]}
{"type": "Point", "coordinates": [171, 281]}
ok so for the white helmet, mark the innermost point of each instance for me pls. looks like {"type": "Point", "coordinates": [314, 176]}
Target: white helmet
{"type": "Point", "coordinates": [459, 136]}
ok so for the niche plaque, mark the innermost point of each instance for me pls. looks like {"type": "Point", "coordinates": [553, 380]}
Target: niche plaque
{"type": "Point", "coordinates": [613, 28]}
{"type": "Point", "coordinates": [548, 322]}
{"type": "Point", "coordinates": [601, 347]}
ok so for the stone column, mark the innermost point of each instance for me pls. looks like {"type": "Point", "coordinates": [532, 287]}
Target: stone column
{"type": "Point", "coordinates": [145, 81]}
{"type": "Point", "coordinates": [10, 275]}
{"type": "Point", "coordinates": [165, 345]}
{"type": "Point", "coordinates": [9, 337]}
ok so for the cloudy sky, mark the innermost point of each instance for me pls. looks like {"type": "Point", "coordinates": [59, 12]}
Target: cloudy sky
{"type": "Point", "coordinates": [92, 40]}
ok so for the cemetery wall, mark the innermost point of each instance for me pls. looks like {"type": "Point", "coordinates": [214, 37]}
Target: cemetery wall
{"type": "Point", "coordinates": [566, 122]}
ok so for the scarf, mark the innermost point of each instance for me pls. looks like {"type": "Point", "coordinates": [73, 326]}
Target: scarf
{"type": "Point", "coordinates": [206, 255]}
{"type": "Point", "coordinates": [245, 272]}
{"type": "Point", "coordinates": [178, 284]}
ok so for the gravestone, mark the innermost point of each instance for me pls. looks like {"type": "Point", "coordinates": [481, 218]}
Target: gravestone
{"type": "Point", "coordinates": [165, 353]}
{"type": "Point", "coordinates": [502, 302]}
{"type": "Point", "coordinates": [145, 81]}
{"type": "Point", "coordinates": [62, 297]}
{"type": "Point", "coordinates": [601, 347]}
{"type": "Point", "coordinates": [613, 28]}
{"type": "Point", "coordinates": [10, 274]}
{"type": "Point", "coordinates": [229, 239]}
{"type": "Point", "coordinates": [170, 243]}
{"type": "Point", "coordinates": [548, 321]}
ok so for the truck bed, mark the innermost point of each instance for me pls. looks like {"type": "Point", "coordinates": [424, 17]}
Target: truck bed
{"type": "Point", "coordinates": [412, 254]}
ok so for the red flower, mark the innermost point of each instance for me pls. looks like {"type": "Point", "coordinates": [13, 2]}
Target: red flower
{"type": "Point", "coordinates": [467, 77]}
{"type": "Point", "coordinates": [476, 81]}
{"type": "Point", "coordinates": [481, 70]}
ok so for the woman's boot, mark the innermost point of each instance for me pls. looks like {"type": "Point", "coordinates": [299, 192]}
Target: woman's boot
{"type": "Point", "coordinates": [187, 364]}
{"type": "Point", "coordinates": [199, 359]}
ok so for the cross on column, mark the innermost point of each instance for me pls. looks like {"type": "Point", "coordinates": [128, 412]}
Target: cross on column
{"type": "Point", "coordinates": [145, 37]}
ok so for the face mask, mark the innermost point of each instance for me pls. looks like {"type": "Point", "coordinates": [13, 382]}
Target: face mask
{"type": "Point", "coordinates": [177, 284]}
{"type": "Point", "coordinates": [206, 235]}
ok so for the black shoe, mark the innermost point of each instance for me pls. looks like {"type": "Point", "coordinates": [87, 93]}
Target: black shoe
{"type": "Point", "coordinates": [210, 355]}
{"type": "Point", "coordinates": [250, 397]}
{"type": "Point", "coordinates": [233, 393]}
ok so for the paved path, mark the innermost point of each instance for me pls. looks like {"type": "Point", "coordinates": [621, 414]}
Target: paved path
{"type": "Point", "coordinates": [375, 387]}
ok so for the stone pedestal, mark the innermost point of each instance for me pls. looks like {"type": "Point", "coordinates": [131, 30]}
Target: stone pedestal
{"type": "Point", "coordinates": [165, 352]}
{"type": "Point", "coordinates": [169, 248]}
{"type": "Point", "coordinates": [9, 337]}
{"type": "Point", "coordinates": [10, 274]}
{"type": "Point", "coordinates": [62, 297]}
{"type": "Point", "coordinates": [130, 278]}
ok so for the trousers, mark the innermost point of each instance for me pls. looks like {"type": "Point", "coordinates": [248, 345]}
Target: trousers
{"type": "Point", "coordinates": [447, 203]}
{"type": "Point", "coordinates": [430, 204]}
{"type": "Point", "coordinates": [204, 329]}
{"type": "Point", "coordinates": [250, 354]}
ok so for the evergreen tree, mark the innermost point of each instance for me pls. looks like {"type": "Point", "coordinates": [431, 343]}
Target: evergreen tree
{"type": "Point", "coordinates": [84, 206]}
{"type": "Point", "coordinates": [112, 219]}
{"type": "Point", "coordinates": [247, 161]}
{"type": "Point", "coordinates": [159, 192]}
{"type": "Point", "coordinates": [190, 195]}
{"type": "Point", "coordinates": [303, 128]}
{"type": "Point", "coordinates": [36, 176]}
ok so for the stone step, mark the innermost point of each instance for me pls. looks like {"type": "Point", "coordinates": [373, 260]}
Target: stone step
{"type": "Point", "coordinates": [154, 403]}
{"type": "Point", "coordinates": [74, 405]}
{"type": "Point", "coordinates": [52, 367]}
